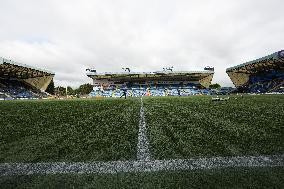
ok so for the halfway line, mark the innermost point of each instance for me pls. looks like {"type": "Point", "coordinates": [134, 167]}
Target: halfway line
{"type": "Point", "coordinates": [143, 152]}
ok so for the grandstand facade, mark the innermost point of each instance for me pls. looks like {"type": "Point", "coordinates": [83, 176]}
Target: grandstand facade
{"type": "Point", "coordinates": [264, 75]}
{"type": "Point", "coordinates": [161, 83]}
{"type": "Point", "coordinates": [22, 81]}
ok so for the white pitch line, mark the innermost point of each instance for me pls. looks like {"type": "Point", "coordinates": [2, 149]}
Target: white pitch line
{"type": "Point", "coordinates": [10, 169]}
{"type": "Point", "coordinates": [143, 152]}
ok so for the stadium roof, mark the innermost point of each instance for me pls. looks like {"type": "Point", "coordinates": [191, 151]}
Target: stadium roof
{"type": "Point", "coordinates": [146, 74]}
{"type": "Point", "coordinates": [12, 69]}
{"type": "Point", "coordinates": [203, 77]}
{"type": "Point", "coordinates": [275, 60]}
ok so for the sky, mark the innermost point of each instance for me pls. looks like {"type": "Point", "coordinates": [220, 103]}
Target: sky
{"type": "Point", "coordinates": [69, 36]}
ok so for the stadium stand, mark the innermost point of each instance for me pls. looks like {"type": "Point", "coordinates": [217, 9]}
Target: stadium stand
{"type": "Point", "coordinates": [264, 75]}
{"type": "Point", "coordinates": [165, 83]}
{"type": "Point", "coordinates": [20, 81]}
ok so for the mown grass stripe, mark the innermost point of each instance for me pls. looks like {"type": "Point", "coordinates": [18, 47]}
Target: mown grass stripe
{"type": "Point", "coordinates": [143, 152]}
{"type": "Point", "coordinates": [10, 169]}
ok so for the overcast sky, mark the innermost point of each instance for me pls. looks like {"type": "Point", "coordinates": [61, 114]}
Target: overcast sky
{"type": "Point", "coordinates": [68, 36]}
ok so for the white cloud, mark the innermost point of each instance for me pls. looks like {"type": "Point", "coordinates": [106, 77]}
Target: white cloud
{"type": "Point", "coordinates": [68, 36]}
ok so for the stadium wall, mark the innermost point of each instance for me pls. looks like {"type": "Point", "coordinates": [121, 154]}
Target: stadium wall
{"type": "Point", "coordinates": [262, 75]}
{"type": "Point", "coordinates": [35, 77]}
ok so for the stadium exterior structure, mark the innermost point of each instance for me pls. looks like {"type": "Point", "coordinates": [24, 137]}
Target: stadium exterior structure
{"type": "Point", "coordinates": [264, 75]}
{"type": "Point", "coordinates": [15, 76]}
{"type": "Point", "coordinates": [149, 83]}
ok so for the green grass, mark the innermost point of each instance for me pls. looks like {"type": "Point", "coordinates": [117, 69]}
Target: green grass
{"type": "Point", "coordinates": [224, 178]}
{"type": "Point", "coordinates": [106, 130]}
{"type": "Point", "coordinates": [68, 130]}
{"type": "Point", "coordinates": [196, 127]}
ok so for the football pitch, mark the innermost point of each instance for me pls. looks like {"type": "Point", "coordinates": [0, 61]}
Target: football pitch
{"type": "Point", "coordinates": [166, 142]}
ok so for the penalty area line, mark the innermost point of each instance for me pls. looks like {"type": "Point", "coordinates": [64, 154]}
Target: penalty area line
{"type": "Point", "coordinates": [10, 169]}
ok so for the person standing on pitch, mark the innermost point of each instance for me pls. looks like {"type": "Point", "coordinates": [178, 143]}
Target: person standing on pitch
{"type": "Point", "coordinates": [166, 92]}
{"type": "Point", "coordinates": [124, 94]}
{"type": "Point", "coordinates": [179, 93]}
